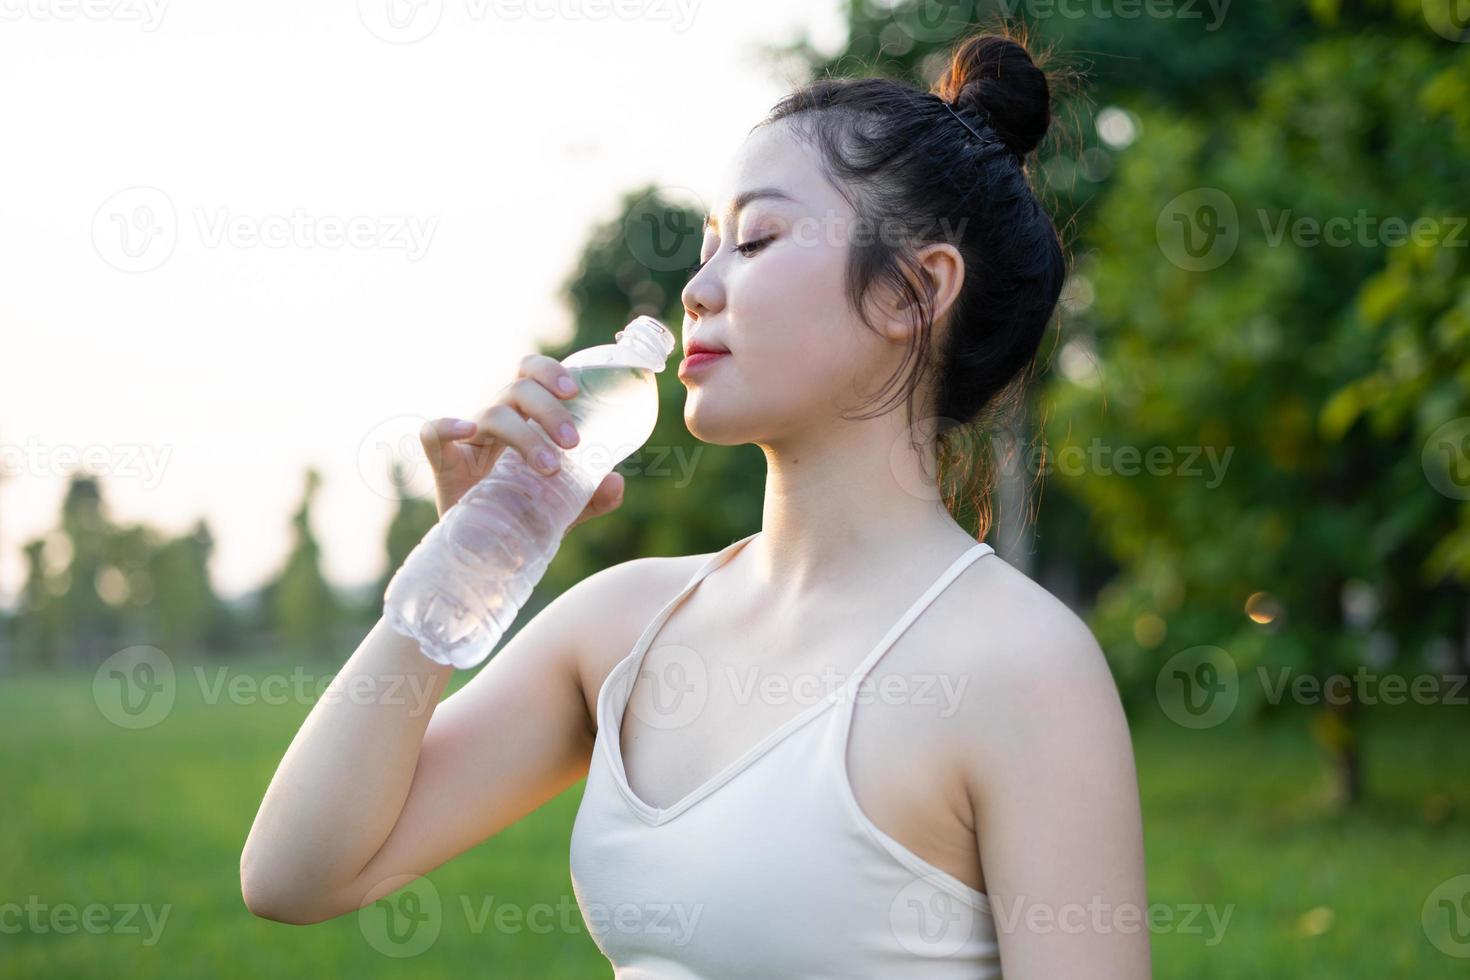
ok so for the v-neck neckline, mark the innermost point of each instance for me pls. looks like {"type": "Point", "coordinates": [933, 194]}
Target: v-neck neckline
{"type": "Point", "coordinates": [611, 728]}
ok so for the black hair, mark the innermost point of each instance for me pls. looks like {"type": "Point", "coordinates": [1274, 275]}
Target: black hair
{"type": "Point", "coordinates": [904, 161]}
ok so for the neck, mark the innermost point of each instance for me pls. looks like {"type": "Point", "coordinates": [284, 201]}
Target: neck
{"type": "Point", "coordinates": [853, 497]}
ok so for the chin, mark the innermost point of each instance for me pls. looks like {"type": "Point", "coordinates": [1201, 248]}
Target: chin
{"type": "Point", "coordinates": [718, 425]}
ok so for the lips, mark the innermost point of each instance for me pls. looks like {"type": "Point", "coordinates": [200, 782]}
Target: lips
{"type": "Point", "coordinates": [700, 355]}
{"type": "Point", "coordinates": [698, 347]}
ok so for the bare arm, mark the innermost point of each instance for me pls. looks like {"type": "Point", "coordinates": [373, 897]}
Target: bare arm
{"type": "Point", "coordinates": [382, 781]}
{"type": "Point", "coordinates": [1056, 799]}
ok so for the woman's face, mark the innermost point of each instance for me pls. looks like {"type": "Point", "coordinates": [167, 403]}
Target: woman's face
{"type": "Point", "coordinates": [772, 292]}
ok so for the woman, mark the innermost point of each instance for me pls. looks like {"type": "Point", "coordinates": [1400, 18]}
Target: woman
{"type": "Point", "coordinates": [855, 743]}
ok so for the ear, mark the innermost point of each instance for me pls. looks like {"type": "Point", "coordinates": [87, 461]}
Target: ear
{"type": "Point", "coordinates": [943, 271]}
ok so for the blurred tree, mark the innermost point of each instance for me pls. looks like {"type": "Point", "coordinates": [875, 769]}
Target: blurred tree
{"type": "Point", "coordinates": [185, 613]}
{"type": "Point", "coordinates": [37, 626]}
{"type": "Point", "coordinates": [93, 587]}
{"type": "Point", "coordinates": [1253, 357]}
{"type": "Point", "coordinates": [1196, 58]}
{"type": "Point", "coordinates": [410, 522]}
{"type": "Point", "coordinates": [1224, 323]}
{"type": "Point", "coordinates": [1275, 355]}
{"type": "Point", "coordinates": [7, 621]}
{"type": "Point", "coordinates": [91, 624]}
{"type": "Point", "coordinates": [299, 606]}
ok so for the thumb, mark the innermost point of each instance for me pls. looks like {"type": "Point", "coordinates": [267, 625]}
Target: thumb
{"type": "Point", "coordinates": [607, 497]}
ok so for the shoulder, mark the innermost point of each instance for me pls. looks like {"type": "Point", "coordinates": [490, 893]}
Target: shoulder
{"type": "Point", "coordinates": [1048, 773]}
{"type": "Point", "coordinates": [612, 606]}
{"type": "Point", "coordinates": [999, 623]}
{"type": "Point", "coordinates": [1020, 634]}
{"type": "Point", "coordinates": [1040, 688]}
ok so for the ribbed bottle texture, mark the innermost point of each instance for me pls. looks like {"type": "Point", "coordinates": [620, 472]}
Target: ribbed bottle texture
{"type": "Point", "coordinates": [461, 587]}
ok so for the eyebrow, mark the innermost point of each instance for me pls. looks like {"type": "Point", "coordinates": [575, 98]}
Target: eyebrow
{"type": "Point", "coordinates": [755, 194]}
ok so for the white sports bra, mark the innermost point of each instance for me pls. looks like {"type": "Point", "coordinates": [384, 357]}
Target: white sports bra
{"type": "Point", "coordinates": [769, 869]}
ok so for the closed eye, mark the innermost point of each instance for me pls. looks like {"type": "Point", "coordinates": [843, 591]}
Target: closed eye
{"type": "Point", "coordinates": [746, 249]}
{"type": "Point", "coordinates": [750, 248]}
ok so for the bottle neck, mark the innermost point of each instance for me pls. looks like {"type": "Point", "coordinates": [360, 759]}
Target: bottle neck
{"type": "Point", "coordinates": [648, 340]}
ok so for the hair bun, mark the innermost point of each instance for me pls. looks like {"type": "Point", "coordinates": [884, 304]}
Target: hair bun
{"type": "Point", "coordinates": [996, 75]}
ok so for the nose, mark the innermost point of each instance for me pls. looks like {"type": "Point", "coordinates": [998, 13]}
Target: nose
{"type": "Point", "coordinates": [702, 295]}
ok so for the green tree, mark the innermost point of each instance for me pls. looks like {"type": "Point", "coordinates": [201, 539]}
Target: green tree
{"type": "Point", "coordinates": [37, 625]}
{"type": "Point", "coordinates": [186, 614]}
{"type": "Point", "coordinates": [300, 607]}
{"type": "Point", "coordinates": [90, 625]}
{"type": "Point", "coordinates": [1224, 321]}
{"type": "Point", "coordinates": [410, 522]}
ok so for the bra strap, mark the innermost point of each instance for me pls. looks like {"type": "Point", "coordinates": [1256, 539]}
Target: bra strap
{"type": "Point", "coordinates": [980, 549]}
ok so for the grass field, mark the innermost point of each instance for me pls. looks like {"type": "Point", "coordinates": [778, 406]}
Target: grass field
{"type": "Point", "coordinates": [121, 850]}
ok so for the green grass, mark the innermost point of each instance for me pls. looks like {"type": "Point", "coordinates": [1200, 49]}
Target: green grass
{"type": "Point", "coordinates": [1238, 818]}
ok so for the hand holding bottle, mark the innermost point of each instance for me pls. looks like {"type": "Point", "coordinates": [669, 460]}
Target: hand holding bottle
{"type": "Point", "coordinates": [461, 452]}
{"type": "Point", "coordinates": [504, 508]}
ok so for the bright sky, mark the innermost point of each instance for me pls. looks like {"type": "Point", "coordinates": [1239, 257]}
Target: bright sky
{"type": "Point", "coordinates": [238, 239]}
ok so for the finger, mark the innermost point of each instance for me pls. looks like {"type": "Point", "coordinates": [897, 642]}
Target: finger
{"type": "Point", "coordinates": [551, 373]}
{"type": "Point", "coordinates": [436, 434]}
{"type": "Point", "coordinates": [533, 401]}
{"type": "Point", "coordinates": [609, 494]}
{"type": "Point", "coordinates": [442, 430]}
{"type": "Point", "coordinates": [503, 424]}
{"type": "Point", "coordinates": [607, 498]}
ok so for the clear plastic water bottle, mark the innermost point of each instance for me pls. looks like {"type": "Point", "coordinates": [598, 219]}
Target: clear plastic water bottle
{"type": "Point", "coordinates": [461, 587]}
